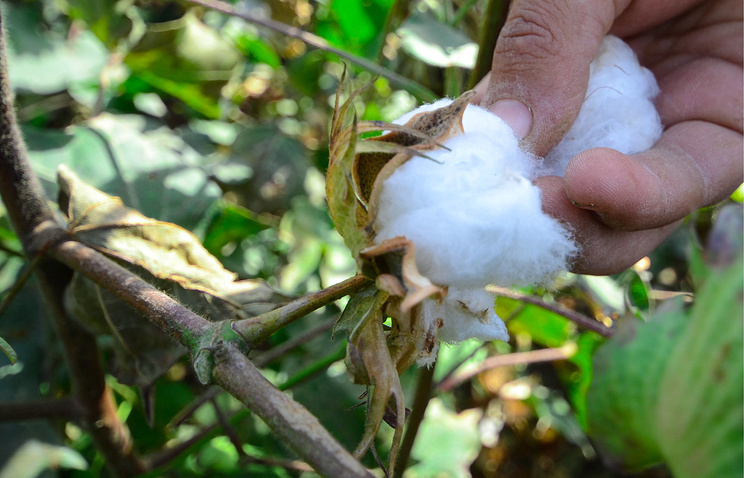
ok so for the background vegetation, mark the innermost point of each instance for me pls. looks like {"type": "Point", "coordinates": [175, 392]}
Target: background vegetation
{"type": "Point", "coordinates": [219, 125]}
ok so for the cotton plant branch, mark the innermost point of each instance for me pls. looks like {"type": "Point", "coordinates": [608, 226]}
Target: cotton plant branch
{"type": "Point", "coordinates": [578, 319]}
{"type": "Point", "coordinates": [417, 90]}
{"type": "Point", "coordinates": [257, 329]}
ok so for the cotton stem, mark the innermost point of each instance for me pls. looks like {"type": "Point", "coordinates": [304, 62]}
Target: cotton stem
{"type": "Point", "coordinates": [259, 328]}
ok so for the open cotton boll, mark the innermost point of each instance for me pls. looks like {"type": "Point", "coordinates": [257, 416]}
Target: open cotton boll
{"type": "Point", "coordinates": [474, 215]}
{"type": "Point", "coordinates": [471, 212]}
{"type": "Point", "coordinates": [618, 111]}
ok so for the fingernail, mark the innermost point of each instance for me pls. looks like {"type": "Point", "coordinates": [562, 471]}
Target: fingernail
{"type": "Point", "coordinates": [516, 114]}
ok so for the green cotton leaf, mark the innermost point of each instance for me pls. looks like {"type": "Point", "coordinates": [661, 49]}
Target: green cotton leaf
{"type": "Point", "coordinates": [622, 399]}
{"type": "Point", "coordinates": [8, 351]}
{"type": "Point", "coordinates": [436, 43]}
{"type": "Point", "coordinates": [142, 161]}
{"type": "Point", "coordinates": [46, 61]}
{"type": "Point", "coordinates": [186, 59]}
{"type": "Point", "coordinates": [699, 413]}
{"type": "Point", "coordinates": [34, 457]}
{"type": "Point", "coordinates": [671, 389]}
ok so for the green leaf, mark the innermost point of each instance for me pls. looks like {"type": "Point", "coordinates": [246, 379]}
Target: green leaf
{"type": "Point", "coordinates": [142, 161]}
{"type": "Point", "coordinates": [44, 61]}
{"type": "Point", "coordinates": [699, 414]}
{"type": "Point", "coordinates": [8, 351]}
{"type": "Point", "coordinates": [108, 19]}
{"type": "Point", "coordinates": [622, 399]}
{"type": "Point", "coordinates": [672, 389]}
{"type": "Point", "coordinates": [638, 291]}
{"type": "Point", "coordinates": [231, 223]}
{"type": "Point", "coordinates": [436, 43]}
{"type": "Point", "coordinates": [577, 382]}
{"type": "Point", "coordinates": [354, 26]}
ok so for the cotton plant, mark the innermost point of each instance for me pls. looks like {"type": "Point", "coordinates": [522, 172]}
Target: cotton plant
{"type": "Point", "coordinates": [443, 204]}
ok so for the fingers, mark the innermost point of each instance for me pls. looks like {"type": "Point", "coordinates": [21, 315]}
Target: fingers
{"type": "Point", "coordinates": [695, 164]}
{"type": "Point", "coordinates": [604, 250]}
{"type": "Point", "coordinates": [541, 66]}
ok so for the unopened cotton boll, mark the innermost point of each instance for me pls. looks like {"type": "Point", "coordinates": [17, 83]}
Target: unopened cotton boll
{"type": "Point", "coordinates": [618, 111]}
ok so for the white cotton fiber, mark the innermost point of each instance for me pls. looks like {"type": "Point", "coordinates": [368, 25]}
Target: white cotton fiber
{"type": "Point", "coordinates": [466, 313]}
{"type": "Point", "coordinates": [473, 213]}
{"type": "Point", "coordinates": [618, 111]}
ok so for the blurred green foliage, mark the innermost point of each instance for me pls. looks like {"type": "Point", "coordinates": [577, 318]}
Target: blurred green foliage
{"type": "Point", "coordinates": [219, 126]}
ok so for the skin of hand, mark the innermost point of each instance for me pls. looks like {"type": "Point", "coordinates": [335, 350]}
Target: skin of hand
{"type": "Point", "coordinates": [621, 207]}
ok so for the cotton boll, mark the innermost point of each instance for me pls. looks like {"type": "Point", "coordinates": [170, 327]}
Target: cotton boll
{"type": "Point", "coordinates": [618, 111]}
{"type": "Point", "coordinates": [466, 314]}
{"type": "Point", "coordinates": [472, 215]}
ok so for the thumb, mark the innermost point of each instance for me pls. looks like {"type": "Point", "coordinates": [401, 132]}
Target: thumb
{"type": "Point", "coordinates": [540, 66]}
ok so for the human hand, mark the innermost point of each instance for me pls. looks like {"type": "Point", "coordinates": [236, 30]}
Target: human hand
{"type": "Point", "coordinates": [621, 207]}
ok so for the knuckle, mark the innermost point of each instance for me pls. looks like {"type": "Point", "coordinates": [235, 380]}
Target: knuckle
{"type": "Point", "coordinates": [533, 30]}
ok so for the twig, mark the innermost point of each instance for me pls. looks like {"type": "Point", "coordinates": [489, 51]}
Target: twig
{"type": "Point", "coordinates": [420, 403]}
{"type": "Point", "coordinates": [164, 457]}
{"type": "Point", "coordinates": [315, 41]}
{"type": "Point", "coordinates": [189, 409]}
{"type": "Point", "coordinates": [232, 435]}
{"type": "Point", "coordinates": [582, 320]}
{"type": "Point", "coordinates": [289, 420]}
{"type": "Point", "coordinates": [180, 323]}
{"type": "Point", "coordinates": [259, 328]}
{"type": "Point", "coordinates": [542, 355]}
